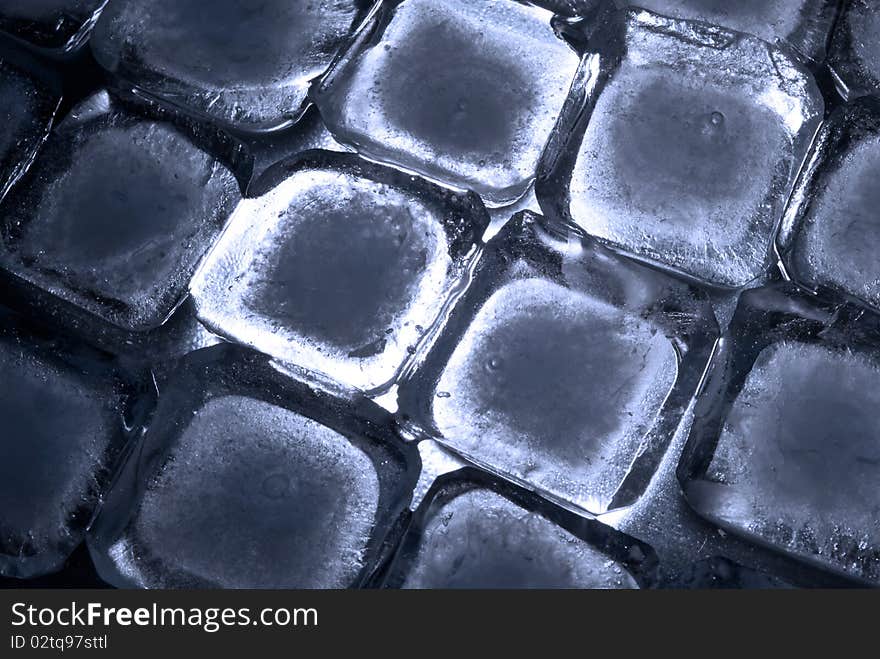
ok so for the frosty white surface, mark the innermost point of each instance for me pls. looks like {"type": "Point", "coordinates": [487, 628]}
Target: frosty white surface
{"type": "Point", "coordinates": [692, 148]}
{"type": "Point", "coordinates": [796, 464]}
{"type": "Point", "coordinates": [118, 212]}
{"type": "Point", "coordinates": [253, 496]}
{"type": "Point", "coordinates": [838, 242]}
{"type": "Point", "coordinates": [772, 20]}
{"type": "Point", "coordinates": [465, 93]}
{"type": "Point", "coordinates": [482, 540]}
{"type": "Point", "coordinates": [555, 388]}
{"type": "Point", "coordinates": [55, 432]}
{"type": "Point", "coordinates": [335, 273]}
{"type": "Point", "coordinates": [245, 62]}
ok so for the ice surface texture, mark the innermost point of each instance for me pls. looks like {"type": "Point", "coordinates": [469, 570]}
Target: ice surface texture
{"type": "Point", "coordinates": [245, 480]}
{"type": "Point", "coordinates": [63, 408]}
{"type": "Point", "coordinates": [683, 144]}
{"type": "Point", "coordinates": [245, 63]}
{"type": "Point", "coordinates": [466, 93]}
{"type": "Point", "coordinates": [57, 26]}
{"type": "Point", "coordinates": [785, 447]}
{"type": "Point", "coordinates": [473, 531]}
{"type": "Point", "coordinates": [29, 107]}
{"type": "Point", "coordinates": [854, 56]}
{"type": "Point", "coordinates": [803, 24]}
{"type": "Point", "coordinates": [562, 366]}
{"type": "Point", "coordinates": [831, 234]}
{"type": "Point", "coordinates": [115, 215]}
{"type": "Point", "coordinates": [340, 267]}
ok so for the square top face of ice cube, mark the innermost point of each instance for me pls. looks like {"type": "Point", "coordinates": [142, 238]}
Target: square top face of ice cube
{"type": "Point", "coordinates": [244, 63]}
{"type": "Point", "coordinates": [269, 482]}
{"type": "Point", "coordinates": [786, 438]}
{"type": "Point", "coordinates": [115, 215]}
{"type": "Point", "coordinates": [854, 55]}
{"type": "Point", "coordinates": [560, 378]}
{"type": "Point", "coordinates": [293, 488]}
{"type": "Point", "coordinates": [466, 93]}
{"type": "Point", "coordinates": [61, 26]}
{"type": "Point", "coordinates": [690, 149]}
{"type": "Point", "coordinates": [61, 422]}
{"type": "Point", "coordinates": [341, 269]}
{"type": "Point", "coordinates": [523, 389]}
{"type": "Point", "coordinates": [803, 24]}
{"type": "Point", "coordinates": [480, 539]}
{"type": "Point", "coordinates": [831, 235]}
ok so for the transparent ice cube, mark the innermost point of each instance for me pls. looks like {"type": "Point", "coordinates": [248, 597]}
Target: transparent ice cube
{"type": "Point", "coordinates": [831, 233]}
{"type": "Point", "coordinates": [464, 93]}
{"type": "Point", "coordinates": [62, 407]}
{"type": "Point", "coordinates": [59, 26]}
{"type": "Point", "coordinates": [854, 55]}
{"type": "Point", "coordinates": [115, 215]}
{"type": "Point", "coordinates": [474, 532]}
{"type": "Point", "coordinates": [562, 366]}
{"type": "Point", "coordinates": [785, 447]}
{"type": "Point", "coordinates": [245, 63]}
{"type": "Point", "coordinates": [804, 24]}
{"type": "Point", "coordinates": [245, 480]}
{"type": "Point", "coordinates": [340, 268]}
{"type": "Point", "coordinates": [27, 113]}
{"type": "Point", "coordinates": [685, 141]}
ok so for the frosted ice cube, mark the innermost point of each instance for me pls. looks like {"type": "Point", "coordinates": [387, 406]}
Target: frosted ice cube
{"type": "Point", "coordinates": [26, 117]}
{"type": "Point", "coordinates": [300, 497]}
{"type": "Point", "coordinates": [464, 93]}
{"type": "Point", "coordinates": [687, 154]}
{"type": "Point", "coordinates": [60, 26]}
{"type": "Point", "coordinates": [786, 446]}
{"type": "Point", "coordinates": [561, 366]}
{"type": "Point", "coordinates": [804, 24]}
{"type": "Point", "coordinates": [115, 215]}
{"type": "Point", "coordinates": [62, 409]}
{"type": "Point", "coordinates": [245, 63]}
{"type": "Point", "coordinates": [482, 540]}
{"type": "Point", "coordinates": [341, 268]}
{"type": "Point", "coordinates": [831, 233]}
{"type": "Point", "coordinates": [854, 55]}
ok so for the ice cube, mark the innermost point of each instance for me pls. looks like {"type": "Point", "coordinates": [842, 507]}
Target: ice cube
{"type": "Point", "coordinates": [475, 534]}
{"type": "Point", "coordinates": [115, 215]}
{"type": "Point", "coordinates": [62, 409]}
{"type": "Point", "coordinates": [341, 268]}
{"type": "Point", "coordinates": [786, 448]}
{"type": "Point", "coordinates": [237, 486]}
{"type": "Point", "coordinates": [464, 93]}
{"type": "Point", "coordinates": [831, 232]}
{"type": "Point", "coordinates": [244, 63]}
{"type": "Point", "coordinates": [59, 26]}
{"type": "Point", "coordinates": [854, 55]}
{"type": "Point", "coordinates": [688, 152]}
{"type": "Point", "coordinates": [27, 113]}
{"type": "Point", "coordinates": [804, 24]}
{"type": "Point", "coordinates": [563, 366]}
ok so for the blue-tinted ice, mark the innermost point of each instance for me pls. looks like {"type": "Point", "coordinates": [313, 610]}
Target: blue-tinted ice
{"type": "Point", "coordinates": [341, 268]}
{"type": "Point", "coordinates": [245, 63]}
{"type": "Point", "coordinates": [685, 145]}
{"type": "Point", "coordinates": [116, 214]}
{"type": "Point", "coordinates": [465, 93]}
